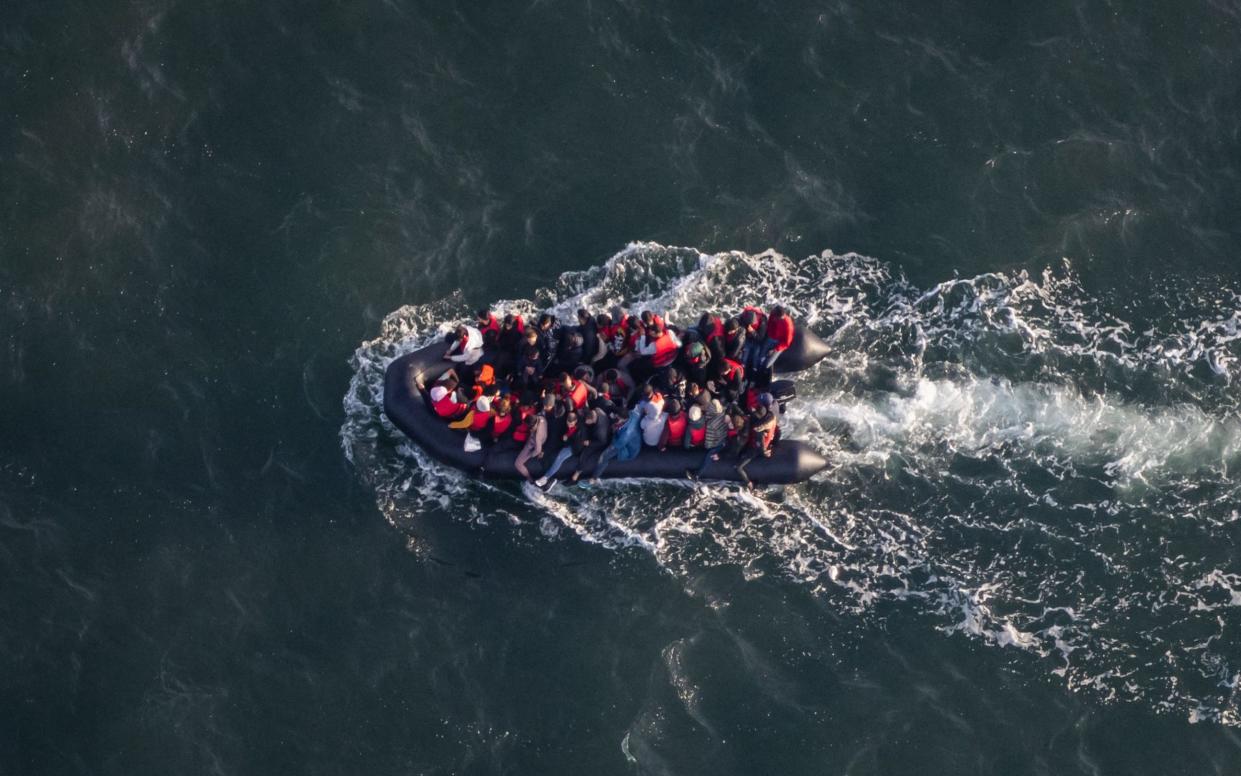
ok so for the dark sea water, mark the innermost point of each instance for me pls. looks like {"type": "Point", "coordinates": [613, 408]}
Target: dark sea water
{"type": "Point", "coordinates": [1017, 227]}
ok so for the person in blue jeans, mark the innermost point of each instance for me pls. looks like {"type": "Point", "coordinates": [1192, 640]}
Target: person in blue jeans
{"type": "Point", "coordinates": [625, 445]}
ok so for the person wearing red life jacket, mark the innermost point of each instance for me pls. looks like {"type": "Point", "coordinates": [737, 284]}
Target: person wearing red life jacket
{"type": "Point", "coordinates": [675, 426]}
{"type": "Point", "coordinates": [720, 431]}
{"type": "Point", "coordinates": [779, 337]}
{"type": "Point", "coordinates": [650, 319]}
{"type": "Point", "coordinates": [443, 397]}
{"type": "Point", "coordinates": [711, 333]}
{"type": "Point", "coordinates": [482, 414]}
{"type": "Point", "coordinates": [762, 435]}
{"type": "Point", "coordinates": [695, 356]}
{"type": "Point", "coordinates": [734, 340]}
{"type": "Point", "coordinates": [510, 336]}
{"type": "Point", "coordinates": [695, 429]}
{"type": "Point", "coordinates": [574, 391]}
{"type": "Point", "coordinates": [659, 348]}
{"type": "Point", "coordinates": [730, 379]}
{"type": "Point", "coordinates": [488, 326]}
{"type": "Point", "coordinates": [499, 423]}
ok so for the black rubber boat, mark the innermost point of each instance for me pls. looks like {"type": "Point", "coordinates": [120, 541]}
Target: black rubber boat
{"type": "Point", "coordinates": [791, 461]}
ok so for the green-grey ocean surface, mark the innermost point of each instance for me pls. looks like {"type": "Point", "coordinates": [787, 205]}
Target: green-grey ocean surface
{"type": "Point", "coordinates": [1015, 225]}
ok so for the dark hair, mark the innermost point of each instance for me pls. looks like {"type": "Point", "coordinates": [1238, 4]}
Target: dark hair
{"type": "Point", "coordinates": [546, 318]}
{"type": "Point", "coordinates": [483, 313]}
{"type": "Point", "coordinates": [603, 319]}
{"type": "Point", "coordinates": [674, 406]}
{"type": "Point", "coordinates": [462, 331]}
{"type": "Point", "coordinates": [732, 323]}
{"type": "Point", "coordinates": [510, 319]}
{"type": "Point", "coordinates": [747, 318]}
{"type": "Point", "coordinates": [583, 313]}
{"type": "Point", "coordinates": [777, 312]}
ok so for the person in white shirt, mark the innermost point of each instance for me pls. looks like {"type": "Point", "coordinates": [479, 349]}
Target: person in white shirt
{"type": "Point", "coordinates": [467, 348]}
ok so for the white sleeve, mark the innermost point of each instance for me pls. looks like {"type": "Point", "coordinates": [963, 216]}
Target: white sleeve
{"type": "Point", "coordinates": [645, 346]}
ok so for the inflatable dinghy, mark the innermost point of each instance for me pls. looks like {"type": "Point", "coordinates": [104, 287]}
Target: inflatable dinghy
{"type": "Point", "coordinates": [406, 406]}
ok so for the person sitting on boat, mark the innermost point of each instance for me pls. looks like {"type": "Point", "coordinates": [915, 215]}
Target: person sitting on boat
{"type": "Point", "coordinates": [572, 351]}
{"type": "Point", "coordinates": [650, 319]}
{"type": "Point", "coordinates": [444, 399]}
{"type": "Point", "coordinates": [626, 444]}
{"type": "Point", "coordinates": [467, 346]}
{"type": "Point", "coordinates": [480, 415]}
{"type": "Point", "coordinates": [654, 420]}
{"type": "Point", "coordinates": [499, 424]}
{"type": "Point", "coordinates": [530, 364]}
{"type": "Point", "coordinates": [575, 391]}
{"type": "Point", "coordinates": [734, 340]}
{"type": "Point", "coordinates": [697, 395]}
{"type": "Point", "coordinates": [549, 337]}
{"type": "Point", "coordinates": [763, 427]}
{"type": "Point", "coordinates": [695, 357]}
{"type": "Point", "coordinates": [512, 334]}
{"type": "Point", "coordinates": [711, 333]}
{"type": "Point", "coordinates": [779, 337]}
{"type": "Point", "coordinates": [695, 428]}
{"type": "Point", "coordinates": [675, 424]}
{"type": "Point", "coordinates": [650, 396]}
{"type": "Point", "coordinates": [533, 447]}
{"type": "Point", "coordinates": [730, 380]}
{"type": "Point", "coordinates": [754, 321]}
{"type": "Point", "coordinates": [658, 347]}
{"type": "Point", "coordinates": [594, 436]}
{"type": "Point", "coordinates": [715, 438]}
{"type": "Point", "coordinates": [487, 325]}
{"type": "Point", "coordinates": [586, 326]}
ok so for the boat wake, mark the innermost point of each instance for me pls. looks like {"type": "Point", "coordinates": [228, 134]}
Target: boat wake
{"type": "Point", "coordinates": [1014, 459]}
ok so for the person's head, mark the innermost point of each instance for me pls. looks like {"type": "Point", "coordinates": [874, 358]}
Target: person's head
{"type": "Point", "coordinates": [691, 337]}
{"type": "Point", "coordinates": [583, 315]}
{"type": "Point", "coordinates": [549, 403]}
{"type": "Point", "coordinates": [747, 318]}
{"type": "Point", "coordinates": [592, 417]}
{"type": "Point", "coordinates": [674, 407]}
{"type": "Point", "coordinates": [648, 390]}
{"type": "Point", "coordinates": [777, 312]}
{"type": "Point", "coordinates": [566, 379]}
{"type": "Point", "coordinates": [765, 399]}
{"type": "Point", "coordinates": [693, 389]}
{"type": "Point", "coordinates": [738, 420]}
{"type": "Point", "coordinates": [695, 413]}
{"type": "Point", "coordinates": [483, 315]}
{"type": "Point", "coordinates": [674, 375]}
{"type": "Point", "coordinates": [603, 320]}
{"type": "Point", "coordinates": [546, 320]}
{"type": "Point", "coordinates": [654, 329]}
{"type": "Point", "coordinates": [695, 350]}
{"type": "Point", "coordinates": [705, 322]}
{"type": "Point", "coordinates": [576, 340]}
{"type": "Point", "coordinates": [501, 406]}
{"type": "Point", "coordinates": [648, 317]}
{"type": "Point", "coordinates": [508, 322]}
{"type": "Point", "coordinates": [462, 332]}
{"type": "Point", "coordinates": [531, 336]}
{"type": "Point", "coordinates": [761, 411]}
{"type": "Point", "coordinates": [611, 376]}
{"type": "Point", "coordinates": [732, 324]}
{"type": "Point", "coordinates": [449, 382]}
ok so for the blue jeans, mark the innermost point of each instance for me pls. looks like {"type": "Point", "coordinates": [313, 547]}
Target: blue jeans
{"type": "Point", "coordinates": [561, 457]}
{"type": "Point", "coordinates": [762, 355]}
{"type": "Point", "coordinates": [604, 460]}
{"type": "Point", "coordinates": [706, 459]}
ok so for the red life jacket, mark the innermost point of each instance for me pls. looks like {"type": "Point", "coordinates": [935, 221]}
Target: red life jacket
{"type": "Point", "coordinates": [500, 424]}
{"type": "Point", "coordinates": [519, 324]}
{"type": "Point", "coordinates": [665, 351]}
{"type": "Point", "coordinates": [751, 399]}
{"type": "Point", "coordinates": [717, 329]}
{"type": "Point", "coordinates": [522, 432]}
{"type": "Point", "coordinates": [491, 325]}
{"type": "Point", "coordinates": [578, 394]}
{"type": "Point", "coordinates": [763, 439]}
{"type": "Point", "coordinates": [448, 406]}
{"type": "Point", "coordinates": [780, 330]}
{"type": "Point", "coordinates": [480, 419]}
{"type": "Point", "coordinates": [698, 435]}
{"type": "Point", "coordinates": [732, 369]}
{"type": "Point", "coordinates": [676, 428]}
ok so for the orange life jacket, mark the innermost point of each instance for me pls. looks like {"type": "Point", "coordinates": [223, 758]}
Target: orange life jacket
{"type": "Point", "coordinates": [578, 394]}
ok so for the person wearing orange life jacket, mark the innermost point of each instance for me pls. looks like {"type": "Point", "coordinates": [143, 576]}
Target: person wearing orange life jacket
{"type": "Point", "coordinates": [444, 400]}
{"type": "Point", "coordinates": [695, 429]}
{"type": "Point", "coordinates": [779, 337]}
{"type": "Point", "coordinates": [650, 319]}
{"type": "Point", "coordinates": [675, 424]}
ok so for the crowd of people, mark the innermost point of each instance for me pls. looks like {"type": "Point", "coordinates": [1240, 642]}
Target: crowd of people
{"type": "Point", "coordinates": [605, 386]}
